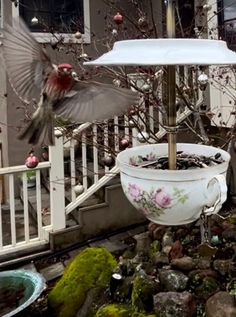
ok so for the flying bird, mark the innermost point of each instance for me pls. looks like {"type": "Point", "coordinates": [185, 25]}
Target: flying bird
{"type": "Point", "coordinates": [57, 88]}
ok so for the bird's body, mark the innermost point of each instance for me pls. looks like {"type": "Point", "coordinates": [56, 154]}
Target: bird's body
{"type": "Point", "coordinates": [56, 87]}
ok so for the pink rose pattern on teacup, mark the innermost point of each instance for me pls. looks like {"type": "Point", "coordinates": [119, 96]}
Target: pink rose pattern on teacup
{"type": "Point", "coordinates": [161, 198]}
{"type": "Point", "coordinates": [135, 191]}
{"type": "Point", "coordinates": [155, 201]}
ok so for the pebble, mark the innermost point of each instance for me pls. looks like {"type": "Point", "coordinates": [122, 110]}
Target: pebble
{"type": "Point", "coordinates": [143, 242]}
{"type": "Point", "coordinates": [222, 266]}
{"type": "Point", "coordinates": [185, 263]}
{"type": "Point", "coordinates": [174, 304]}
{"type": "Point", "coordinates": [221, 304]}
{"type": "Point", "coordinates": [173, 280]}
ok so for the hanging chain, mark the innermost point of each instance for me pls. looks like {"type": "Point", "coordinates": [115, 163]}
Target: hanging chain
{"type": "Point", "coordinates": [204, 227]}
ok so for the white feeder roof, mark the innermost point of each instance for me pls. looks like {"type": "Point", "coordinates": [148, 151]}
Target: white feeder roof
{"type": "Point", "coordinates": [167, 52]}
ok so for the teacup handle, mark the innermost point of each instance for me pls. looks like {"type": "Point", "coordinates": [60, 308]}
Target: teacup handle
{"type": "Point", "coordinates": [221, 181]}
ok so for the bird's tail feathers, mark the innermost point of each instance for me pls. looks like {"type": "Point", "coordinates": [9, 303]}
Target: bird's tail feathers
{"type": "Point", "coordinates": [40, 130]}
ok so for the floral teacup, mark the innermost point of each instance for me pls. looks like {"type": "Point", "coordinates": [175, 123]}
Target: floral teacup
{"type": "Point", "coordinates": [173, 197]}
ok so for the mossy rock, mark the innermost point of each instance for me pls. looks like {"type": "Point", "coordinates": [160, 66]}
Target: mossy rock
{"type": "Point", "coordinates": [116, 310]}
{"type": "Point", "coordinates": [91, 268]}
{"type": "Point", "coordinates": [142, 294]}
{"type": "Point", "coordinates": [208, 287]}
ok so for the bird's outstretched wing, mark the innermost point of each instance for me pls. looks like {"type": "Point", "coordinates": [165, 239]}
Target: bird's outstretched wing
{"type": "Point", "coordinates": [91, 101]}
{"type": "Point", "coordinates": [26, 62]}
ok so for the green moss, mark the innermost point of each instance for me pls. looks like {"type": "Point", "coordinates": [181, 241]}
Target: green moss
{"type": "Point", "coordinates": [208, 287]}
{"type": "Point", "coordinates": [154, 248]}
{"type": "Point", "coordinates": [91, 268]}
{"type": "Point", "coordinates": [113, 310]}
{"type": "Point", "coordinates": [117, 310]}
{"type": "Point", "coordinates": [142, 294]}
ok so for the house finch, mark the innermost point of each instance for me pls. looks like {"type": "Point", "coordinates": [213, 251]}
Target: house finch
{"type": "Point", "coordinates": [32, 75]}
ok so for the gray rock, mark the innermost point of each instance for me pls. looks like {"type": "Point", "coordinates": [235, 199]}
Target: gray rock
{"type": "Point", "coordinates": [160, 259]}
{"type": "Point", "coordinates": [207, 287]}
{"type": "Point", "coordinates": [143, 242]}
{"type": "Point", "coordinates": [229, 234]}
{"type": "Point", "coordinates": [185, 263]}
{"type": "Point", "coordinates": [173, 304]}
{"type": "Point", "coordinates": [167, 239]}
{"type": "Point", "coordinates": [173, 280]}
{"type": "Point", "coordinates": [222, 266]}
{"type": "Point", "coordinates": [86, 307]}
{"type": "Point", "coordinates": [221, 304]}
{"type": "Point", "coordinates": [202, 263]}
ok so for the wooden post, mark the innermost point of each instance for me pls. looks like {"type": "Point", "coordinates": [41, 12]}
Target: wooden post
{"type": "Point", "coordinates": [57, 183]}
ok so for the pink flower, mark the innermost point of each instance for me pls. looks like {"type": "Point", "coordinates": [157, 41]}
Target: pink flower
{"type": "Point", "coordinates": [161, 198]}
{"type": "Point", "coordinates": [135, 191]}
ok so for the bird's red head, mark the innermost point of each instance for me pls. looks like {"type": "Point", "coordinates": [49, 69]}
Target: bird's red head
{"type": "Point", "coordinates": [66, 66]}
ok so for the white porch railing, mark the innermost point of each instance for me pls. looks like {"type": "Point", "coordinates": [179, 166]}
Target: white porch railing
{"type": "Point", "coordinates": [11, 239]}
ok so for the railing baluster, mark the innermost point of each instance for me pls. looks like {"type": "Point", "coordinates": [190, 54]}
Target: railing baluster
{"type": "Point", "coordinates": [151, 118]}
{"type": "Point", "coordinates": [106, 143]}
{"type": "Point", "coordinates": [12, 209]}
{"type": "Point", "coordinates": [72, 168]}
{"type": "Point", "coordinates": [39, 204]}
{"type": "Point", "coordinates": [57, 185]}
{"type": "Point", "coordinates": [26, 207]}
{"type": "Point", "coordinates": [84, 161]}
{"type": "Point", "coordinates": [116, 133]}
{"type": "Point", "coordinates": [126, 122]}
{"type": "Point", "coordinates": [95, 154]}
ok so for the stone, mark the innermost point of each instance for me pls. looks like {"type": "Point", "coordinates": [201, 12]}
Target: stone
{"type": "Point", "coordinates": [143, 242]}
{"type": "Point", "coordinates": [167, 239]}
{"type": "Point", "coordinates": [127, 267]}
{"type": "Point", "coordinates": [202, 263]}
{"type": "Point", "coordinates": [222, 266]}
{"type": "Point", "coordinates": [159, 232]}
{"type": "Point", "coordinates": [89, 303]}
{"type": "Point", "coordinates": [118, 310]}
{"type": "Point", "coordinates": [185, 263]}
{"type": "Point", "coordinates": [172, 280]}
{"type": "Point", "coordinates": [160, 259]}
{"type": "Point", "coordinates": [174, 304]}
{"type": "Point", "coordinates": [92, 268]}
{"type": "Point", "coordinates": [200, 274]}
{"type": "Point", "coordinates": [221, 304]}
{"type": "Point", "coordinates": [142, 294]}
{"type": "Point", "coordinates": [176, 250]}
{"type": "Point", "coordinates": [229, 234]}
{"type": "Point", "coordinates": [208, 286]}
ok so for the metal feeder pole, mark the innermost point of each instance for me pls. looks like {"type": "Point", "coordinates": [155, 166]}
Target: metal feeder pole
{"type": "Point", "coordinates": [171, 81]}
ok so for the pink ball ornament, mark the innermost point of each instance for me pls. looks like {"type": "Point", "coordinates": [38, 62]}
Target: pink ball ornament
{"type": "Point", "coordinates": [118, 18]}
{"type": "Point", "coordinates": [124, 143]}
{"type": "Point", "coordinates": [31, 161]}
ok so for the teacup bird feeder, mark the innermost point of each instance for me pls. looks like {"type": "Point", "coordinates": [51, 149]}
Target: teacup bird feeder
{"type": "Point", "coordinates": [171, 196]}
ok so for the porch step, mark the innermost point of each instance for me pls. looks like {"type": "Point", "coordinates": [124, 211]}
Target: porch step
{"type": "Point", "coordinates": [32, 204]}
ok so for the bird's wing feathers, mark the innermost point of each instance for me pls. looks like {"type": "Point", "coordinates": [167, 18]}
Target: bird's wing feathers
{"type": "Point", "coordinates": [27, 64]}
{"type": "Point", "coordinates": [92, 101]}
